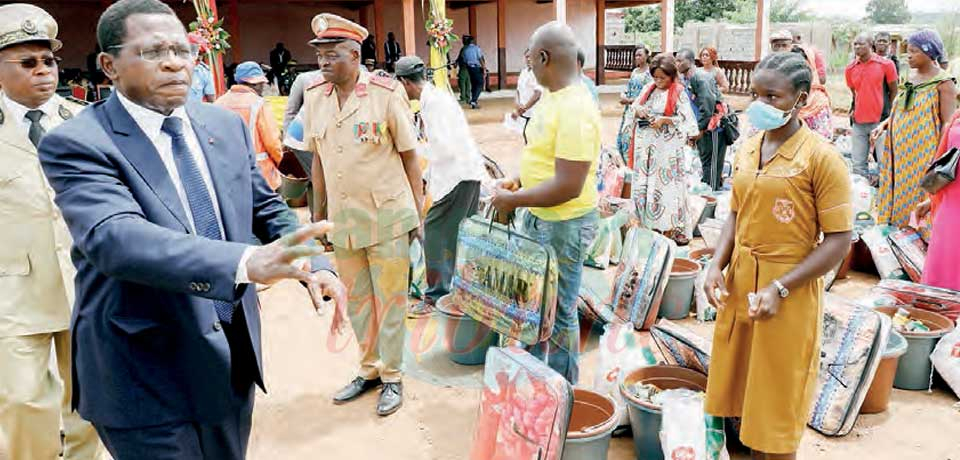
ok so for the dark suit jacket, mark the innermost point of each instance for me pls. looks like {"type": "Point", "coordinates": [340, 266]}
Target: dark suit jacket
{"type": "Point", "coordinates": [706, 93]}
{"type": "Point", "coordinates": [147, 346]}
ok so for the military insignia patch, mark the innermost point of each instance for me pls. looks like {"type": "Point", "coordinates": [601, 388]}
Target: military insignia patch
{"type": "Point", "coordinates": [64, 113]}
{"type": "Point", "coordinates": [29, 27]}
{"type": "Point", "coordinates": [321, 25]}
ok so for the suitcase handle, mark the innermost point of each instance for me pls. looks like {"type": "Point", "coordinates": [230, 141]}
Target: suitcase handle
{"type": "Point", "coordinates": [830, 370]}
{"type": "Point", "coordinates": [510, 225]}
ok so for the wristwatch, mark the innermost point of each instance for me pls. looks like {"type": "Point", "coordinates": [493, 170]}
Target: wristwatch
{"type": "Point", "coordinates": [784, 292]}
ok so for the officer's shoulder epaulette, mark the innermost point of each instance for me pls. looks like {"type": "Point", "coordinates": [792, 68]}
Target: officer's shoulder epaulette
{"type": "Point", "coordinates": [82, 103]}
{"type": "Point", "coordinates": [70, 106]}
{"type": "Point", "coordinates": [383, 81]}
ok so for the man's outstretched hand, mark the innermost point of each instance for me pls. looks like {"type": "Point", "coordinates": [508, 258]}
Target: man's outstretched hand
{"type": "Point", "coordinates": [327, 287]}
{"type": "Point", "coordinates": [275, 261]}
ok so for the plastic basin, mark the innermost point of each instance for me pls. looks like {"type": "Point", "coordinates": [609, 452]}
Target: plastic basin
{"type": "Point", "coordinates": [914, 368]}
{"type": "Point", "coordinates": [645, 418]}
{"type": "Point", "coordinates": [878, 396]}
{"type": "Point", "coordinates": [678, 295]}
{"type": "Point", "coordinates": [591, 424]}
{"type": "Point", "coordinates": [702, 255]}
{"type": "Point", "coordinates": [293, 181]}
{"type": "Point", "coordinates": [467, 339]}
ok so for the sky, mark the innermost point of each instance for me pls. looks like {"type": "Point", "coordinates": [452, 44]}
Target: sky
{"type": "Point", "coordinates": [857, 8]}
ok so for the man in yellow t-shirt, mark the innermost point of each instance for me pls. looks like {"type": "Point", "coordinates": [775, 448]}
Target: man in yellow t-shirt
{"type": "Point", "coordinates": [557, 181]}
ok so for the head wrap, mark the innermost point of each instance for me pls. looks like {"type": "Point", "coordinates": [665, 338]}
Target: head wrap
{"type": "Point", "coordinates": [929, 42]}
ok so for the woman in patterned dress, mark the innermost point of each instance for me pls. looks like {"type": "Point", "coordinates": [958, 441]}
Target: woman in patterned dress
{"type": "Point", "coordinates": [926, 101]}
{"type": "Point", "coordinates": [665, 121]}
{"type": "Point", "coordinates": [639, 79]}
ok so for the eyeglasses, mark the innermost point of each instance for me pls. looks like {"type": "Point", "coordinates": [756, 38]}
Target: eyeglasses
{"type": "Point", "coordinates": [159, 53]}
{"type": "Point", "coordinates": [33, 62]}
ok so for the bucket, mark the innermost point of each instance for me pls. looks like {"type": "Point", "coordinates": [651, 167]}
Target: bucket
{"type": "Point", "coordinates": [914, 366]}
{"type": "Point", "coordinates": [467, 339]}
{"type": "Point", "coordinates": [592, 422]}
{"type": "Point", "coordinates": [293, 181]}
{"type": "Point", "coordinates": [678, 295]}
{"type": "Point", "coordinates": [702, 256]}
{"type": "Point", "coordinates": [878, 396]}
{"type": "Point", "coordinates": [645, 418]}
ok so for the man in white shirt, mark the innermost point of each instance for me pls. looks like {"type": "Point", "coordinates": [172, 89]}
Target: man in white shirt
{"type": "Point", "coordinates": [454, 170]}
{"type": "Point", "coordinates": [528, 94]}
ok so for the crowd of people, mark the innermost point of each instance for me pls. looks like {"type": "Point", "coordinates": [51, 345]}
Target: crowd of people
{"type": "Point", "coordinates": [166, 199]}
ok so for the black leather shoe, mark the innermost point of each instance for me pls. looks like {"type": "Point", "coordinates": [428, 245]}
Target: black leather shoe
{"type": "Point", "coordinates": [391, 398]}
{"type": "Point", "coordinates": [355, 388]}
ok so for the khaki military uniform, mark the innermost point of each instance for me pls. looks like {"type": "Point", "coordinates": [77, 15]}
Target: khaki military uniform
{"type": "Point", "coordinates": [372, 206]}
{"type": "Point", "coordinates": [36, 282]}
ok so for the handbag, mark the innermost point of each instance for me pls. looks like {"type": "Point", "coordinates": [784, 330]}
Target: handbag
{"type": "Point", "coordinates": [730, 124]}
{"type": "Point", "coordinates": [941, 172]}
{"type": "Point", "coordinates": [505, 280]}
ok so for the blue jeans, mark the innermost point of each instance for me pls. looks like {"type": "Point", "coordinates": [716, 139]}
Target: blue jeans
{"type": "Point", "coordinates": [570, 239]}
{"type": "Point", "coordinates": [860, 151]}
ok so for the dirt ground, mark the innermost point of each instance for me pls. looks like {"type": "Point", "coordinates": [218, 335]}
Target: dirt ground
{"type": "Point", "coordinates": [304, 366]}
{"type": "Point", "coordinates": [296, 419]}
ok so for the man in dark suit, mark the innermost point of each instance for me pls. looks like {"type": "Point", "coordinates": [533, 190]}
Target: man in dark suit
{"type": "Point", "coordinates": [279, 58]}
{"type": "Point", "coordinates": [705, 92]}
{"type": "Point", "coordinates": [165, 203]}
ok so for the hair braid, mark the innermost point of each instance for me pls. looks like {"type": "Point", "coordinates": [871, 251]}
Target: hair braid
{"type": "Point", "coordinates": [792, 66]}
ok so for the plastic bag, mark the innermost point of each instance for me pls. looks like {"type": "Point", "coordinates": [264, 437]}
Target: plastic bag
{"type": "Point", "coordinates": [607, 240]}
{"type": "Point", "coordinates": [513, 124]}
{"type": "Point", "coordinates": [418, 271]}
{"type": "Point", "coordinates": [946, 360]}
{"type": "Point", "coordinates": [887, 265]}
{"type": "Point", "coordinates": [723, 207]}
{"type": "Point", "coordinates": [695, 207]}
{"type": "Point", "coordinates": [705, 311]}
{"type": "Point", "coordinates": [687, 432]}
{"type": "Point", "coordinates": [863, 194]}
{"type": "Point", "coordinates": [620, 351]}
{"type": "Point", "coordinates": [683, 434]}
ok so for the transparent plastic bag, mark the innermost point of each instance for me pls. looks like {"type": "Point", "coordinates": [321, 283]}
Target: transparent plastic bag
{"type": "Point", "coordinates": [683, 434]}
{"type": "Point", "coordinates": [620, 352]}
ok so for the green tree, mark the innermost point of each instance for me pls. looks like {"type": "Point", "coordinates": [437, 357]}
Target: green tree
{"type": "Point", "coordinates": [745, 12]}
{"type": "Point", "coordinates": [888, 11]}
{"type": "Point", "coordinates": [642, 19]}
{"type": "Point", "coordinates": [647, 18]}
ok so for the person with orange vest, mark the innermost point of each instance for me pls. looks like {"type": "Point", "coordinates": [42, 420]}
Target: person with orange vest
{"type": "Point", "coordinates": [245, 99]}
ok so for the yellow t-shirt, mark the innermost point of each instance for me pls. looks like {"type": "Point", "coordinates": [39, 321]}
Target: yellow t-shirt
{"type": "Point", "coordinates": [567, 126]}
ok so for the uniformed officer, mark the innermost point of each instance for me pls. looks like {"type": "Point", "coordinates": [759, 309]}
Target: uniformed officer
{"type": "Point", "coordinates": [36, 275]}
{"type": "Point", "coordinates": [359, 125]}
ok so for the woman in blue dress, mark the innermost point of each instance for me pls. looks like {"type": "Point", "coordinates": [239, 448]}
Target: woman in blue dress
{"type": "Point", "coordinates": [639, 79]}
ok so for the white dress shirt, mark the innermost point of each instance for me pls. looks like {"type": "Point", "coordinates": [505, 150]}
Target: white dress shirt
{"type": "Point", "coordinates": [18, 113]}
{"type": "Point", "coordinates": [151, 123]}
{"type": "Point", "coordinates": [527, 86]}
{"type": "Point", "coordinates": [451, 152]}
